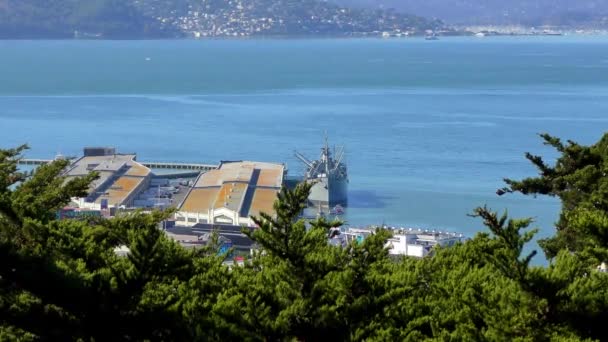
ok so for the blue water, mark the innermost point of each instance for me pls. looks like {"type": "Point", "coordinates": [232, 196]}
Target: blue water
{"type": "Point", "coordinates": [430, 128]}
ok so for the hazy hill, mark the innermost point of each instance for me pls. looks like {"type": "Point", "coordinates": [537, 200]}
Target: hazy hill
{"type": "Point", "coordinates": [526, 12]}
{"type": "Point", "coordinates": [61, 18]}
{"type": "Point", "coordinates": [183, 18]}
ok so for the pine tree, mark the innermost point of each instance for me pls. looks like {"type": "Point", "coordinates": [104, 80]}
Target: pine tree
{"type": "Point", "coordinates": [300, 287]}
{"type": "Point", "coordinates": [61, 280]}
{"type": "Point", "coordinates": [579, 179]}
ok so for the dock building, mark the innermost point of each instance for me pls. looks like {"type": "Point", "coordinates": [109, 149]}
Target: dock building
{"type": "Point", "coordinates": [227, 194]}
{"type": "Point", "coordinates": [232, 194]}
{"type": "Point", "coordinates": [121, 178]}
{"type": "Point", "coordinates": [404, 242]}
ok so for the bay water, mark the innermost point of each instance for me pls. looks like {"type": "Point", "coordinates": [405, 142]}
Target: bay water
{"type": "Point", "coordinates": [430, 127]}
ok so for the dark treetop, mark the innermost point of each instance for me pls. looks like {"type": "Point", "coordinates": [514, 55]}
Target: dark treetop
{"type": "Point", "coordinates": [60, 280]}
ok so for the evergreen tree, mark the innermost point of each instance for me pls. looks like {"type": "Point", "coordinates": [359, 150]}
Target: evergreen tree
{"type": "Point", "coordinates": [61, 280]}
{"type": "Point", "coordinates": [301, 287]}
{"type": "Point", "coordinates": [578, 178]}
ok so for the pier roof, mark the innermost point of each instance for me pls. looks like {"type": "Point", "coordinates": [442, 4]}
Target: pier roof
{"type": "Point", "coordinates": [119, 176]}
{"type": "Point", "coordinates": [270, 178]}
{"type": "Point", "coordinates": [263, 201]}
{"type": "Point", "coordinates": [120, 190]}
{"type": "Point", "coordinates": [244, 187]}
{"type": "Point", "coordinates": [200, 200]}
{"type": "Point", "coordinates": [111, 163]}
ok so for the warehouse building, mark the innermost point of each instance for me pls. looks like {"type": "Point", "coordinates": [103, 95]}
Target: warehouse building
{"type": "Point", "coordinates": [232, 194]}
{"type": "Point", "coordinates": [121, 178]}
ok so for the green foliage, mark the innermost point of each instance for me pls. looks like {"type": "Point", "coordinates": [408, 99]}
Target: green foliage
{"type": "Point", "coordinates": [300, 287]}
{"type": "Point", "coordinates": [578, 179]}
{"type": "Point", "coordinates": [509, 245]}
{"type": "Point", "coordinates": [61, 280]}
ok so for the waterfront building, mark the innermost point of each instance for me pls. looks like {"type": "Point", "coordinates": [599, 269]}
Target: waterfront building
{"type": "Point", "coordinates": [121, 178]}
{"type": "Point", "coordinates": [232, 194]}
{"type": "Point", "coordinates": [404, 242]}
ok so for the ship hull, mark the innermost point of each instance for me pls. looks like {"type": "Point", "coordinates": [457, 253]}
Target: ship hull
{"type": "Point", "coordinates": [329, 192]}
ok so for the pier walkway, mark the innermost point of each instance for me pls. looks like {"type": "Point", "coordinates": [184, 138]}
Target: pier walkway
{"type": "Point", "coordinates": [34, 161]}
{"type": "Point", "coordinates": [180, 166]}
{"type": "Point", "coordinates": [152, 165]}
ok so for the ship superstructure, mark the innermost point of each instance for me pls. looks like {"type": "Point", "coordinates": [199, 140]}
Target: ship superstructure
{"type": "Point", "coordinates": [329, 178]}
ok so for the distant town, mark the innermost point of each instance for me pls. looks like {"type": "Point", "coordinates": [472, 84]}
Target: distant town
{"type": "Point", "coordinates": [198, 19]}
{"type": "Point", "coordinates": [164, 19]}
{"type": "Point", "coordinates": [518, 30]}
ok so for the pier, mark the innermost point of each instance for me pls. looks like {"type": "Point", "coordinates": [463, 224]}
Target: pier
{"type": "Point", "coordinates": [151, 165]}
{"type": "Point", "coordinates": [178, 175]}
{"type": "Point", "coordinates": [34, 161]}
{"type": "Point", "coordinates": [180, 166]}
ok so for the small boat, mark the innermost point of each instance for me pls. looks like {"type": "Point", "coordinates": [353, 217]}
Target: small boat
{"type": "Point", "coordinates": [431, 37]}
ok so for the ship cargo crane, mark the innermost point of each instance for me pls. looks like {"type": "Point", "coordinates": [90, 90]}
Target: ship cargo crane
{"type": "Point", "coordinates": [304, 160]}
{"type": "Point", "coordinates": [329, 178]}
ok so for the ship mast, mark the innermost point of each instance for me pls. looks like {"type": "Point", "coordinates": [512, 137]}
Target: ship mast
{"type": "Point", "coordinates": [325, 155]}
{"type": "Point", "coordinates": [339, 157]}
{"type": "Point", "coordinates": [326, 164]}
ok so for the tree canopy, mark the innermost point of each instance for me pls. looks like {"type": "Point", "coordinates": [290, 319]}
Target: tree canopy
{"type": "Point", "coordinates": [579, 179]}
{"type": "Point", "coordinates": [61, 279]}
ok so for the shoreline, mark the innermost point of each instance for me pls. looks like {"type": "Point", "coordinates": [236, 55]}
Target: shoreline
{"type": "Point", "coordinates": [370, 35]}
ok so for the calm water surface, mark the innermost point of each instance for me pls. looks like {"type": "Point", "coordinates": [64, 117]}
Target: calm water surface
{"type": "Point", "coordinates": [430, 128]}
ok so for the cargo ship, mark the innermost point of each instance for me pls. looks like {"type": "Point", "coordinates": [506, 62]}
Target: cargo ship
{"type": "Point", "coordinates": [329, 177]}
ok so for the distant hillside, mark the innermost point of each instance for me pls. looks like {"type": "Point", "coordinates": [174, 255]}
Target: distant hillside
{"type": "Point", "coordinates": [61, 18]}
{"type": "Point", "coordinates": [524, 12]}
{"type": "Point", "coordinates": [184, 18]}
